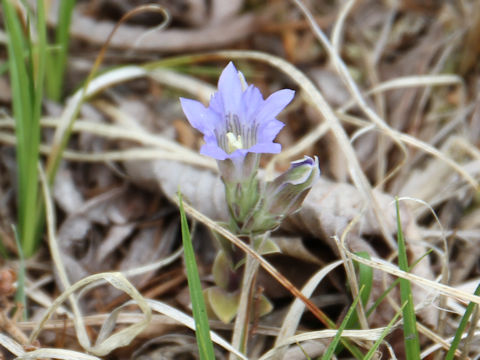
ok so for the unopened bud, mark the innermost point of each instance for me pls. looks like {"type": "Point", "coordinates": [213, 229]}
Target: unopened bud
{"type": "Point", "coordinates": [284, 195]}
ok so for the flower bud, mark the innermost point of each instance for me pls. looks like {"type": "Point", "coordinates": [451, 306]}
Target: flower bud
{"type": "Point", "coordinates": [285, 194]}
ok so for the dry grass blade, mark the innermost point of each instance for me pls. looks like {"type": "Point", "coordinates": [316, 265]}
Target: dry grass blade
{"type": "Point", "coordinates": [125, 155]}
{"type": "Point", "coordinates": [120, 132]}
{"type": "Point", "coordinates": [370, 335]}
{"type": "Point", "coordinates": [70, 111]}
{"type": "Point", "coordinates": [163, 148]}
{"type": "Point", "coordinates": [11, 345]}
{"type": "Point", "coordinates": [56, 354]}
{"type": "Point", "coordinates": [337, 29]}
{"type": "Point", "coordinates": [436, 338]}
{"type": "Point", "coordinates": [154, 266]}
{"type": "Point", "coordinates": [57, 258]}
{"type": "Point", "coordinates": [419, 144]}
{"type": "Point", "coordinates": [294, 315]}
{"type": "Point", "coordinates": [138, 271]}
{"type": "Point", "coordinates": [353, 282]}
{"type": "Point", "coordinates": [409, 81]}
{"type": "Point", "coordinates": [97, 320]}
{"type": "Point", "coordinates": [202, 90]}
{"type": "Point", "coordinates": [190, 322]}
{"type": "Point", "coordinates": [292, 319]}
{"type": "Point", "coordinates": [387, 267]}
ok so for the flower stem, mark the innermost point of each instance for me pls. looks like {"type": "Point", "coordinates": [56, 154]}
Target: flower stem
{"type": "Point", "coordinates": [242, 320]}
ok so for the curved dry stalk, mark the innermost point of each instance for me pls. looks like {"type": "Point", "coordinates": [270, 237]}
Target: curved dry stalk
{"type": "Point", "coordinates": [406, 82]}
{"type": "Point", "coordinates": [338, 27]}
{"type": "Point", "coordinates": [350, 83]}
{"type": "Point", "coordinates": [55, 254]}
{"type": "Point", "coordinates": [139, 270]}
{"type": "Point", "coordinates": [73, 104]}
{"type": "Point", "coordinates": [314, 135]}
{"type": "Point", "coordinates": [121, 338]}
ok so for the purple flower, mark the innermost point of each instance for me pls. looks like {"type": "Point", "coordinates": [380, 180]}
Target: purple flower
{"type": "Point", "coordinates": [238, 120]}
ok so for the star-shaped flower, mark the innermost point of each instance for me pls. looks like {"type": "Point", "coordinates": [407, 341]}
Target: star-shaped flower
{"type": "Point", "coordinates": [238, 120]}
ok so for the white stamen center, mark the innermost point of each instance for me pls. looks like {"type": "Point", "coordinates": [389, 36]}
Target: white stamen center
{"type": "Point", "coordinates": [233, 143]}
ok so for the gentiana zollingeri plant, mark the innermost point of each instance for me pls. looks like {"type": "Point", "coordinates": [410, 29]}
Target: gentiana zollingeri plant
{"type": "Point", "coordinates": [238, 126]}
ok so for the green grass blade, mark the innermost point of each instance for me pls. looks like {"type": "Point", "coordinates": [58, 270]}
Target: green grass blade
{"type": "Point", "coordinates": [37, 71]}
{"type": "Point", "coordinates": [461, 328]}
{"type": "Point", "coordinates": [27, 130]}
{"type": "Point", "coordinates": [365, 277]}
{"type": "Point", "coordinates": [410, 333]}
{"type": "Point", "coordinates": [336, 340]}
{"type": "Point", "coordinates": [385, 332]}
{"type": "Point", "coordinates": [57, 59]}
{"type": "Point", "coordinates": [40, 58]}
{"type": "Point", "coordinates": [365, 281]}
{"type": "Point", "coordinates": [204, 342]}
{"type": "Point", "coordinates": [20, 91]}
{"type": "Point", "coordinates": [393, 285]}
{"type": "Point", "coordinates": [4, 67]}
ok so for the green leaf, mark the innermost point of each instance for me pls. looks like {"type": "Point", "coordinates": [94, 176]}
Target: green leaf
{"type": "Point", "coordinates": [224, 304]}
{"type": "Point", "coordinates": [394, 284]}
{"type": "Point", "coordinates": [57, 57]}
{"type": "Point", "coordinates": [385, 332]}
{"type": "Point", "coordinates": [265, 246]}
{"type": "Point", "coordinates": [202, 328]}
{"type": "Point", "coordinates": [263, 306]}
{"type": "Point", "coordinates": [338, 336]}
{"type": "Point", "coordinates": [410, 333]}
{"type": "Point", "coordinates": [26, 69]}
{"type": "Point", "coordinates": [461, 328]}
{"type": "Point", "coordinates": [365, 276]}
{"type": "Point", "coordinates": [365, 281]}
